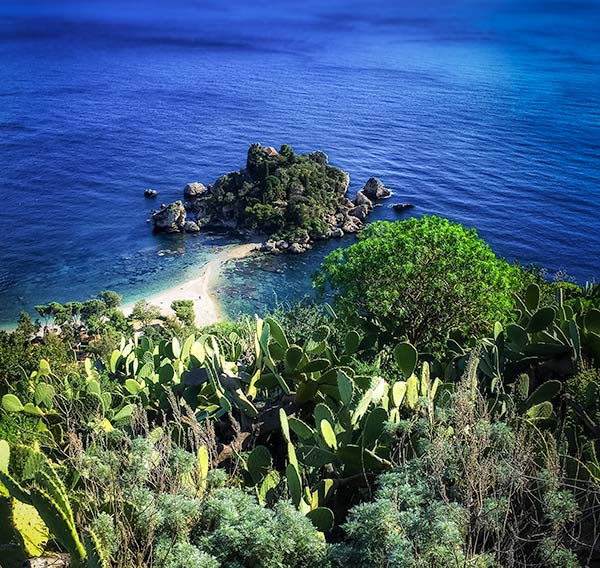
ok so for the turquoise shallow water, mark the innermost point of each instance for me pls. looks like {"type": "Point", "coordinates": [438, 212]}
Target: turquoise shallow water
{"type": "Point", "coordinates": [484, 112]}
{"type": "Point", "coordinates": [261, 282]}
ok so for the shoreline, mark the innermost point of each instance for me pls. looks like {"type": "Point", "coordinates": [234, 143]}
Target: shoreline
{"type": "Point", "coordinates": [200, 289]}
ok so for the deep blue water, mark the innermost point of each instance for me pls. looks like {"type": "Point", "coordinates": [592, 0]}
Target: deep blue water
{"type": "Point", "coordinates": [483, 112]}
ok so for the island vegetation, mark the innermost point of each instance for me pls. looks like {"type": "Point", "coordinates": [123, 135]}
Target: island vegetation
{"type": "Point", "coordinates": [440, 407]}
{"type": "Point", "coordinates": [292, 199]}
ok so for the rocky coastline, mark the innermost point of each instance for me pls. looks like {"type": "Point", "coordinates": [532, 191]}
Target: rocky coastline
{"type": "Point", "coordinates": [292, 199]}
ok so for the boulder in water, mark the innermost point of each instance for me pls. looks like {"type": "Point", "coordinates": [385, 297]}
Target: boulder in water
{"type": "Point", "coordinates": [374, 189]}
{"type": "Point", "coordinates": [360, 212]}
{"type": "Point", "coordinates": [297, 248]}
{"type": "Point", "coordinates": [191, 227]}
{"type": "Point", "coordinates": [170, 219]}
{"type": "Point", "coordinates": [352, 225]}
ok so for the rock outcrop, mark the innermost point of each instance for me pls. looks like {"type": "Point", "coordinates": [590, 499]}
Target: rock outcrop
{"type": "Point", "coordinates": [362, 199]}
{"type": "Point", "coordinates": [170, 218]}
{"type": "Point", "coordinates": [360, 212]}
{"type": "Point", "coordinates": [294, 199]}
{"type": "Point", "coordinates": [297, 248]}
{"type": "Point", "coordinates": [191, 227]}
{"type": "Point", "coordinates": [352, 225]}
{"type": "Point", "coordinates": [375, 190]}
{"type": "Point", "coordinates": [194, 190]}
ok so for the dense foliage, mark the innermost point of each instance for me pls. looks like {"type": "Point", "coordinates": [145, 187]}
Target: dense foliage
{"type": "Point", "coordinates": [282, 194]}
{"type": "Point", "coordinates": [423, 278]}
{"type": "Point", "coordinates": [296, 440]}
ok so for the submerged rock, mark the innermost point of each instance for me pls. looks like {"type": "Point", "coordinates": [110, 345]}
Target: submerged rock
{"type": "Point", "coordinates": [150, 193]}
{"type": "Point", "coordinates": [170, 219]}
{"type": "Point", "coordinates": [399, 207]}
{"type": "Point", "coordinates": [374, 189]}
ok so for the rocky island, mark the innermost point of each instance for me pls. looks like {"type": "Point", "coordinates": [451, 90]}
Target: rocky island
{"type": "Point", "coordinates": [292, 199]}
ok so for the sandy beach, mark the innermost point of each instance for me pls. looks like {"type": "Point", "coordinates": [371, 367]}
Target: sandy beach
{"type": "Point", "coordinates": [200, 289]}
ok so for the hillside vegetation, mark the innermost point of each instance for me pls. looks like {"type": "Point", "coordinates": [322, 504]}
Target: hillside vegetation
{"type": "Point", "coordinates": [444, 411]}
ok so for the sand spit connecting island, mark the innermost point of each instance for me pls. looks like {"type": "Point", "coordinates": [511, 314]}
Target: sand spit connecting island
{"type": "Point", "coordinates": [200, 289]}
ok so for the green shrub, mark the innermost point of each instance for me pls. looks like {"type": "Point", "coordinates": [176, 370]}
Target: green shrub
{"type": "Point", "coordinates": [144, 312]}
{"type": "Point", "coordinates": [584, 387]}
{"type": "Point", "coordinates": [301, 318]}
{"type": "Point", "coordinates": [19, 356]}
{"type": "Point", "coordinates": [234, 528]}
{"type": "Point", "coordinates": [422, 278]}
{"type": "Point", "coordinates": [182, 555]}
{"type": "Point", "coordinates": [184, 310]}
{"type": "Point", "coordinates": [158, 515]}
{"type": "Point", "coordinates": [407, 525]}
{"type": "Point", "coordinates": [110, 298]}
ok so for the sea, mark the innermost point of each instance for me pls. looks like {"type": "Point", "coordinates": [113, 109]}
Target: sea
{"type": "Point", "coordinates": [486, 112]}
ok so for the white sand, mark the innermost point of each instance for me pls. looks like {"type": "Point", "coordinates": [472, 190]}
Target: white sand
{"type": "Point", "coordinates": [200, 289]}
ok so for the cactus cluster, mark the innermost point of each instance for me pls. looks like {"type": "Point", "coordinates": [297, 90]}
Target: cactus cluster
{"type": "Point", "coordinates": [40, 506]}
{"type": "Point", "coordinates": [47, 391]}
{"type": "Point", "coordinates": [339, 428]}
{"type": "Point", "coordinates": [348, 431]}
{"type": "Point", "coordinates": [543, 346]}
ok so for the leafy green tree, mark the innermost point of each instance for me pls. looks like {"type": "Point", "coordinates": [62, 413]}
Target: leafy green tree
{"type": "Point", "coordinates": [45, 312]}
{"type": "Point", "coordinates": [92, 308]}
{"type": "Point", "coordinates": [274, 190]}
{"type": "Point", "coordinates": [25, 327]}
{"type": "Point", "coordinates": [61, 313]}
{"type": "Point", "coordinates": [286, 151]}
{"type": "Point", "coordinates": [110, 298]}
{"type": "Point", "coordinates": [422, 278]}
{"type": "Point", "coordinates": [117, 321]}
{"type": "Point", "coordinates": [264, 217]}
{"type": "Point", "coordinates": [74, 308]}
{"type": "Point", "coordinates": [184, 310]}
{"type": "Point", "coordinates": [144, 312]}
